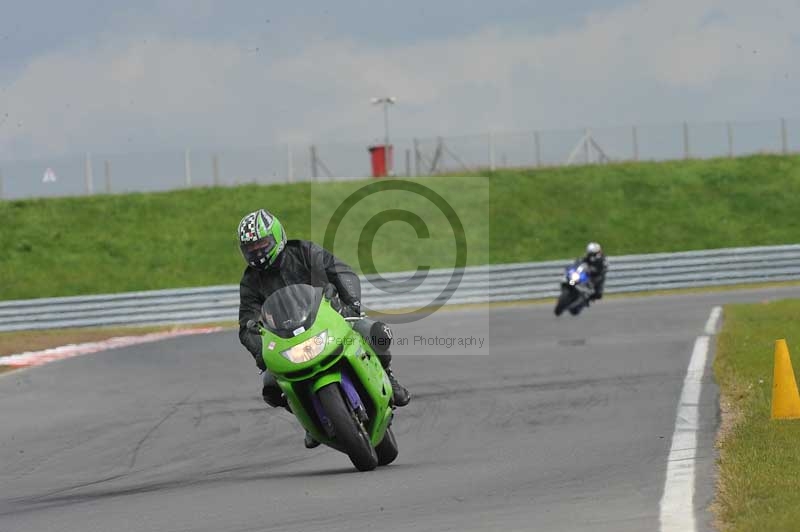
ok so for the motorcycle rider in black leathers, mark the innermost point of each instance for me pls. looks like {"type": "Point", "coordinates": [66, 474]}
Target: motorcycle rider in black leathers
{"type": "Point", "coordinates": [273, 263]}
{"type": "Point", "coordinates": [598, 266]}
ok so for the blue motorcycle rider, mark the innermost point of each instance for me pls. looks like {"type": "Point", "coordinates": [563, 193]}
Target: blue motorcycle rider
{"type": "Point", "coordinates": [598, 266]}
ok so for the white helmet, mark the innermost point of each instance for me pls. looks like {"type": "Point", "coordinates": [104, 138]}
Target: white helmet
{"type": "Point", "coordinates": [593, 248]}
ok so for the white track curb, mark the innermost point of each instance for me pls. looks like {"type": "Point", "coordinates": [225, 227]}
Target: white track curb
{"type": "Point", "coordinates": [37, 358]}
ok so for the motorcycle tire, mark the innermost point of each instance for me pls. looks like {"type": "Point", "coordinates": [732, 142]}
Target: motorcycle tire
{"type": "Point", "coordinates": [387, 448]}
{"type": "Point", "coordinates": [563, 302]}
{"type": "Point", "coordinates": [348, 431]}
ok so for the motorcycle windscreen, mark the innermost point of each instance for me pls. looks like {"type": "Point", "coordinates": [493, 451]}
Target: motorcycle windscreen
{"type": "Point", "coordinates": [583, 271]}
{"type": "Point", "coordinates": [578, 274]}
{"type": "Point", "coordinates": [291, 310]}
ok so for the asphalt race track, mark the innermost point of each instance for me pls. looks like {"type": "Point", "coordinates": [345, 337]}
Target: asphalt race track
{"type": "Point", "coordinates": [554, 424]}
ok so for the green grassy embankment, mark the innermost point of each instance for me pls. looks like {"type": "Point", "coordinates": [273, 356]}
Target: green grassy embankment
{"type": "Point", "coordinates": [68, 246]}
{"type": "Point", "coordinates": [759, 464]}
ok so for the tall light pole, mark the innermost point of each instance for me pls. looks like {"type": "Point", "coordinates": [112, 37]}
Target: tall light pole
{"type": "Point", "coordinates": [386, 101]}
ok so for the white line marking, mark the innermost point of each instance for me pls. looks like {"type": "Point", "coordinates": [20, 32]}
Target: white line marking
{"type": "Point", "coordinates": [37, 358]}
{"type": "Point", "coordinates": [713, 320]}
{"type": "Point", "coordinates": [677, 509]}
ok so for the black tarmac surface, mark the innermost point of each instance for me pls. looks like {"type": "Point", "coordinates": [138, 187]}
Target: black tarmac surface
{"type": "Point", "coordinates": [551, 424]}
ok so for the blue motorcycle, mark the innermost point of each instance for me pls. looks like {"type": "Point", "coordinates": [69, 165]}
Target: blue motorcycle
{"type": "Point", "coordinates": [576, 289]}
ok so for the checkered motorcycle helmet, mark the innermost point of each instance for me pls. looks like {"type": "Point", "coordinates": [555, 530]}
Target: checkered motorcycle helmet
{"type": "Point", "coordinates": [261, 239]}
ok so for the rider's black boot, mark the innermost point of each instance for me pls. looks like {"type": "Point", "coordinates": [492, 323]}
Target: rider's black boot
{"type": "Point", "coordinates": [399, 392]}
{"type": "Point", "coordinates": [310, 442]}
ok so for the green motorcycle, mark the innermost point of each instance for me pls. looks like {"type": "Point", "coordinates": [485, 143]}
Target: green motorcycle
{"type": "Point", "coordinates": [332, 378]}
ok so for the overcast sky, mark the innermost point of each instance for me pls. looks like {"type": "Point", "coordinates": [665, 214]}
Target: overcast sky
{"type": "Point", "coordinates": [139, 75]}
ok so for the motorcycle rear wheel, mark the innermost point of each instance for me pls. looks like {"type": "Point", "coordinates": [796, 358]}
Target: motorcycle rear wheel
{"type": "Point", "coordinates": [348, 431]}
{"type": "Point", "coordinates": [387, 448]}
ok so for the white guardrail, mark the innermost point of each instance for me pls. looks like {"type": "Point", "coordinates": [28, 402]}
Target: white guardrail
{"type": "Point", "coordinates": [478, 284]}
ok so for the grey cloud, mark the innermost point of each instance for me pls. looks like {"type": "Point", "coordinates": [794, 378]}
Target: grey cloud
{"type": "Point", "coordinates": [649, 61]}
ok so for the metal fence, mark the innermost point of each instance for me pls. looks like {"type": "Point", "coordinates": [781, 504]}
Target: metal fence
{"type": "Point", "coordinates": [93, 173]}
{"type": "Point", "coordinates": [480, 284]}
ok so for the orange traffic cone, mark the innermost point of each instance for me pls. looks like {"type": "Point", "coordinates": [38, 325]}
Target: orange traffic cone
{"type": "Point", "coordinates": [785, 398]}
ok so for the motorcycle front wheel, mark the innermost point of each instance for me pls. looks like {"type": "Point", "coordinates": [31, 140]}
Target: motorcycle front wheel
{"type": "Point", "coordinates": [348, 431]}
{"type": "Point", "coordinates": [563, 301]}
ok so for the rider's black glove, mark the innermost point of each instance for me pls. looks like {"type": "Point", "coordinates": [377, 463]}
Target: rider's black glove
{"type": "Point", "coordinates": [350, 310]}
{"type": "Point", "coordinates": [353, 310]}
{"type": "Point", "coordinates": [332, 295]}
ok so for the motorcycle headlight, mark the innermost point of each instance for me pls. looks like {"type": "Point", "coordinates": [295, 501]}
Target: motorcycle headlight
{"type": "Point", "coordinates": [308, 350]}
{"type": "Point", "coordinates": [575, 277]}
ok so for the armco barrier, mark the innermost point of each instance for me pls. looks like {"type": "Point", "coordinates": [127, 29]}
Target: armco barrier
{"type": "Point", "coordinates": [478, 284]}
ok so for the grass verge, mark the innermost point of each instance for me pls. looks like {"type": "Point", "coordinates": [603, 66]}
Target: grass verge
{"type": "Point", "coordinates": [105, 244]}
{"type": "Point", "coordinates": [759, 463]}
